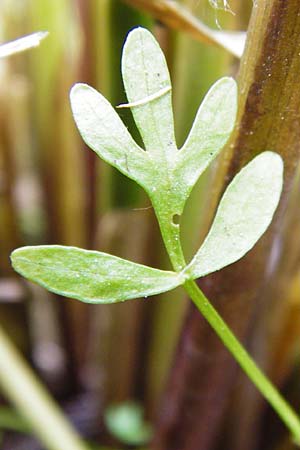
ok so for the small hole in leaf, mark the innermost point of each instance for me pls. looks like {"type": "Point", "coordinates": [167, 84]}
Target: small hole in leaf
{"type": "Point", "coordinates": [176, 219]}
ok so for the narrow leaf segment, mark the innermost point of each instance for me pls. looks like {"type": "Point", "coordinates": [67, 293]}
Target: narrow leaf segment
{"type": "Point", "coordinates": [243, 215]}
{"type": "Point", "coordinates": [102, 130]}
{"type": "Point", "coordinates": [91, 276]}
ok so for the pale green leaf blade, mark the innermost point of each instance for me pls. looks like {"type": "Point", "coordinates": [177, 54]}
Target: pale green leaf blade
{"type": "Point", "coordinates": [90, 276]}
{"type": "Point", "coordinates": [146, 76]}
{"type": "Point", "coordinates": [212, 127]}
{"type": "Point", "coordinates": [244, 213]}
{"type": "Point", "coordinates": [103, 131]}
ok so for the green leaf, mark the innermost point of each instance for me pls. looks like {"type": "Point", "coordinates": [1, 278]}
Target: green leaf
{"type": "Point", "coordinates": [145, 73]}
{"type": "Point", "coordinates": [90, 276]}
{"type": "Point", "coordinates": [103, 131]}
{"type": "Point", "coordinates": [244, 213]}
{"type": "Point", "coordinates": [212, 127]}
{"type": "Point", "coordinates": [125, 422]}
{"type": "Point", "coordinates": [166, 173]}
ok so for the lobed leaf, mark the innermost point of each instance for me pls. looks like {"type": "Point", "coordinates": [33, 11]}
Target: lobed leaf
{"type": "Point", "coordinates": [90, 276]}
{"type": "Point", "coordinates": [244, 213]}
{"type": "Point", "coordinates": [173, 173]}
{"type": "Point", "coordinates": [166, 173]}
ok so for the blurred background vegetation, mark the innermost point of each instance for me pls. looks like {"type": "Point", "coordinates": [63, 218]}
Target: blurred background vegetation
{"type": "Point", "coordinates": [53, 190]}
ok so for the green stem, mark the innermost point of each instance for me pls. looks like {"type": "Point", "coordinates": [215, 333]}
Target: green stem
{"type": "Point", "coordinates": [33, 402]}
{"type": "Point", "coordinates": [263, 384]}
{"type": "Point", "coordinates": [267, 389]}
